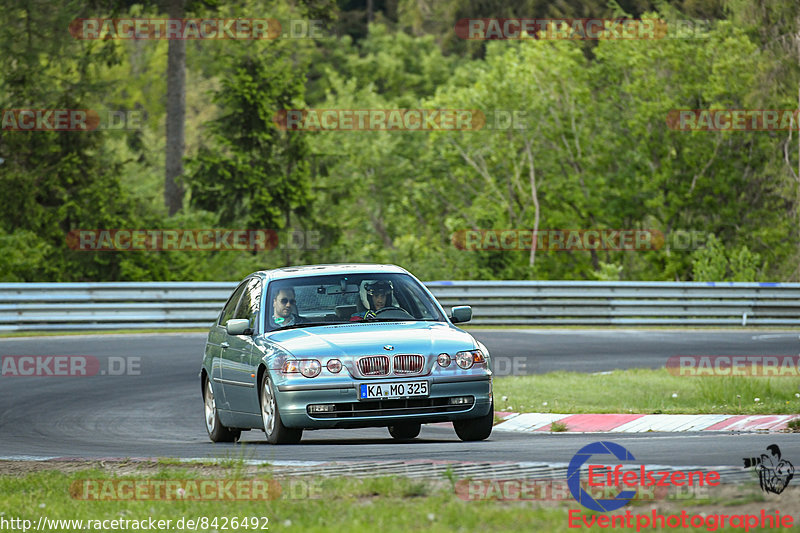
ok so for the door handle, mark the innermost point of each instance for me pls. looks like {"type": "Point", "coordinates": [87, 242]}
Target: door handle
{"type": "Point", "coordinates": [225, 345]}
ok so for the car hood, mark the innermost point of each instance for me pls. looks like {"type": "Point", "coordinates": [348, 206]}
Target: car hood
{"type": "Point", "coordinates": [357, 339]}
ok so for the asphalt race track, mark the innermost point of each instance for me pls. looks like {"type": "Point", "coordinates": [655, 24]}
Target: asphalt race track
{"type": "Point", "coordinates": [154, 409]}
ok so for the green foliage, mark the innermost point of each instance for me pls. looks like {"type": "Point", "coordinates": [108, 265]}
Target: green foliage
{"type": "Point", "coordinates": [609, 272]}
{"type": "Point", "coordinates": [53, 182]}
{"type": "Point", "coordinates": [254, 173]}
{"type": "Point", "coordinates": [715, 263]}
{"type": "Point", "coordinates": [710, 263]}
{"type": "Point", "coordinates": [592, 150]}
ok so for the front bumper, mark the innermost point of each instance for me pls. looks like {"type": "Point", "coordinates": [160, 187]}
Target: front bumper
{"type": "Point", "coordinates": [350, 412]}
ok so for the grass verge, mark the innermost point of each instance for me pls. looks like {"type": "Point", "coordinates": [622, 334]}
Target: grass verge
{"type": "Point", "coordinates": [646, 391]}
{"type": "Point", "coordinates": [313, 504]}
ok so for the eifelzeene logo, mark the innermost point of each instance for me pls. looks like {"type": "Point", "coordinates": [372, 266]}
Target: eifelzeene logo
{"type": "Point", "coordinates": [774, 473]}
{"type": "Point", "coordinates": [600, 475]}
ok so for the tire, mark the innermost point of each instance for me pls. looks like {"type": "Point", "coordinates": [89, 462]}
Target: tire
{"type": "Point", "coordinates": [405, 430]}
{"type": "Point", "coordinates": [475, 428]}
{"type": "Point", "coordinates": [216, 431]}
{"type": "Point", "coordinates": [276, 432]}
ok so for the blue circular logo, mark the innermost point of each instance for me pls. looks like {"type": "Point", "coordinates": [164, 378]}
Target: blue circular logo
{"type": "Point", "coordinates": [574, 476]}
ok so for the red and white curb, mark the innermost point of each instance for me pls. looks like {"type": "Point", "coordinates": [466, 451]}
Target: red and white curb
{"type": "Point", "coordinates": [640, 423]}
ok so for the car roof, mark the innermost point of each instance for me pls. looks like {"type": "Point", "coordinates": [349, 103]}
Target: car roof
{"type": "Point", "coordinates": [318, 270]}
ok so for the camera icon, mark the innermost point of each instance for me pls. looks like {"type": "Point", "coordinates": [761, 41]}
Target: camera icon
{"type": "Point", "coordinates": [752, 462]}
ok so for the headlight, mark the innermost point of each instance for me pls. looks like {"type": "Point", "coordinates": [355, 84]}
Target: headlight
{"type": "Point", "coordinates": [443, 360]}
{"type": "Point", "coordinates": [308, 367]}
{"type": "Point", "coordinates": [465, 360]}
{"type": "Point", "coordinates": [334, 366]}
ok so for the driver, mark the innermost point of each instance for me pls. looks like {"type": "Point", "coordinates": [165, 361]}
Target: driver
{"type": "Point", "coordinates": [379, 295]}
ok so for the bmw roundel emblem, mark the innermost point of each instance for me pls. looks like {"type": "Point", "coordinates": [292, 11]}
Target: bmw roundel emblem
{"type": "Point", "coordinates": [388, 347]}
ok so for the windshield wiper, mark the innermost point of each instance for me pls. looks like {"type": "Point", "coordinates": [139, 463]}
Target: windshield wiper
{"type": "Point", "coordinates": [379, 319]}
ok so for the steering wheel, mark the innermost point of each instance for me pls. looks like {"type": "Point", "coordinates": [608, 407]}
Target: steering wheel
{"type": "Point", "coordinates": [401, 312]}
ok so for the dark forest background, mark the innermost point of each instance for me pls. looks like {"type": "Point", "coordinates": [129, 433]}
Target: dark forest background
{"type": "Point", "coordinates": [599, 153]}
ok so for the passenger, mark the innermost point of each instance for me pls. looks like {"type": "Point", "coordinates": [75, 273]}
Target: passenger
{"type": "Point", "coordinates": [284, 309]}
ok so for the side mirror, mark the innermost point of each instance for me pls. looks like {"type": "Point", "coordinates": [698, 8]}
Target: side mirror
{"type": "Point", "coordinates": [461, 313]}
{"type": "Point", "coordinates": [238, 326]}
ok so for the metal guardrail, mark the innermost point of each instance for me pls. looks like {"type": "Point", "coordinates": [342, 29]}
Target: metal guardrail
{"type": "Point", "coordinates": [140, 305]}
{"type": "Point", "coordinates": [633, 303]}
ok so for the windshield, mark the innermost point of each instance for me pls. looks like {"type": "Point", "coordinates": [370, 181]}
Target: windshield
{"type": "Point", "coordinates": [340, 299]}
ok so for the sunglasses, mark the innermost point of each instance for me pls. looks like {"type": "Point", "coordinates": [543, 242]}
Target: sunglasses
{"type": "Point", "coordinates": [284, 301]}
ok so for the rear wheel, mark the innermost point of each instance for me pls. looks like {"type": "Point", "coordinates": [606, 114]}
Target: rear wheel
{"type": "Point", "coordinates": [216, 431]}
{"type": "Point", "coordinates": [276, 432]}
{"type": "Point", "coordinates": [405, 430]}
{"type": "Point", "coordinates": [475, 428]}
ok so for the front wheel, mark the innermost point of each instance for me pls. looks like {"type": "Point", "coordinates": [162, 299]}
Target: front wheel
{"type": "Point", "coordinates": [405, 431]}
{"type": "Point", "coordinates": [276, 432]}
{"type": "Point", "coordinates": [475, 428]}
{"type": "Point", "coordinates": [216, 431]}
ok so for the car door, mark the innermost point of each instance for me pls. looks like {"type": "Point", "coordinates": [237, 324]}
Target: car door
{"type": "Point", "coordinates": [218, 344]}
{"type": "Point", "coordinates": [237, 371]}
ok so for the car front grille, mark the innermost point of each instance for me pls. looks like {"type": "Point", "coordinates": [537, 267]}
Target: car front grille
{"type": "Point", "coordinates": [374, 365]}
{"type": "Point", "coordinates": [405, 407]}
{"type": "Point", "coordinates": [408, 364]}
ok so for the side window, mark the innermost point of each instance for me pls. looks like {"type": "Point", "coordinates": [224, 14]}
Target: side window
{"type": "Point", "coordinates": [250, 303]}
{"type": "Point", "coordinates": [230, 307]}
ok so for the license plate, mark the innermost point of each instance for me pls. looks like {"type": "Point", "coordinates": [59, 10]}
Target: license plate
{"type": "Point", "coordinates": [370, 391]}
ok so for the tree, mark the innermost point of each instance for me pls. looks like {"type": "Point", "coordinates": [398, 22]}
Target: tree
{"type": "Point", "coordinates": [251, 172]}
{"type": "Point", "coordinates": [775, 25]}
{"type": "Point", "coordinates": [536, 150]}
{"type": "Point", "coordinates": [54, 182]}
{"type": "Point", "coordinates": [176, 113]}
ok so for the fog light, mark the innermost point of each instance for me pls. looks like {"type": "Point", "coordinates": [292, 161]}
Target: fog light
{"type": "Point", "coordinates": [461, 400]}
{"type": "Point", "coordinates": [334, 366]}
{"type": "Point", "coordinates": [321, 408]}
{"type": "Point", "coordinates": [443, 360]}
